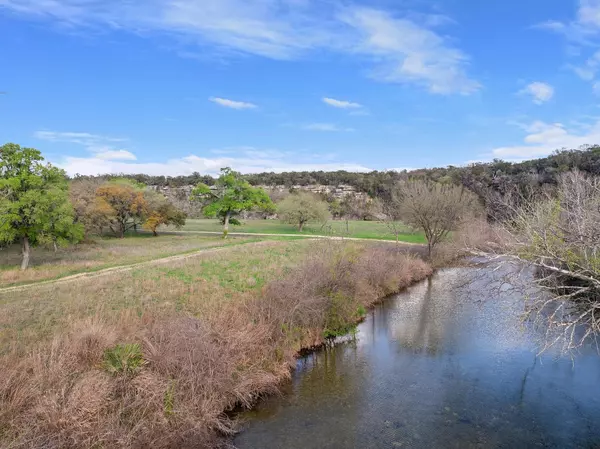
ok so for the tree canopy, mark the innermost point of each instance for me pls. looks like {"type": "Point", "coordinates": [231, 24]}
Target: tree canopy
{"type": "Point", "coordinates": [230, 196]}
{"type": "Point", "coordinates": [123, 204]}
{"type": "Point", "coordinates": [301, 207]}
{"type": "Point", "coordinates": [34, 201]}
{"type": "Point", "coordinates": [432, 207]}
{"type": "Point", "coordinates": [161, 212]}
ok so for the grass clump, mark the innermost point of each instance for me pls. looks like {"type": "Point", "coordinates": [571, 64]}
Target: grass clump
{"type": "Point", "coordinates": [123, 359]}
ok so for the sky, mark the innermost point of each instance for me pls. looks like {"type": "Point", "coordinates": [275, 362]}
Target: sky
{"type": "Point", "coordinates": [172, 87]}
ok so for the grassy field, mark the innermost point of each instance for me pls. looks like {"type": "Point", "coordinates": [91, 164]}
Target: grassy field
{"type": "Point", "coordinates": [155, 356]}
{"type": "Point", "coordinates": [101, 253]}
{"type": "Point", "coordinates": [191, 286]}
{"type": "Point", "coordinates": [356, 229]}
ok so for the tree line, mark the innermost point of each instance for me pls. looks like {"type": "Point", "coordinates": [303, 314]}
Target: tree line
{"type": "Point", "coordinates": [497, 175]}
{"type": "Point", "coordinates": [39, 206]}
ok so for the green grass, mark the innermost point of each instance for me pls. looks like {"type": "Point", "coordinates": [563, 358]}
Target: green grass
{"type": "Point", "coordinates": [194, 286]}
{"type": "Point", "coordinates": [102, 253]}
{"type": "Point", "coordinates": [356, 229]}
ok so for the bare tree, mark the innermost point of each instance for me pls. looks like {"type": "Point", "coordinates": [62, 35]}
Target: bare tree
{"type": "Point", "coordinates": [393, 219]}
{"type": "Point", "coordinates": [559, 235]}
{"type": "Point", "coordinates": [434, 208]}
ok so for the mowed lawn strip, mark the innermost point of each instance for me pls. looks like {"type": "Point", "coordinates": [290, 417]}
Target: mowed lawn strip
{"type": "Point", "coordinates": [100, 254]}
{"type": "Point", "coordinates": [195, 286]}
{"type": "Point", "coordinates": [355, 229]}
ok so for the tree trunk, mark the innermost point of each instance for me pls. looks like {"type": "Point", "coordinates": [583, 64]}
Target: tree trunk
{"type": "Point", "coordinates": [154, 232]}
{"type": "Point", "coordinates": [226, 224]}
{"type": "Point", "coordinates": [300, 226]}
{"type": "Point", "coordinates": [347, 228]}
{"type": "Point", "coordinates": [55, 247]}
{"type": "Point", "coordinates": [429, 248]}
{"type": "Point", "coordinates": [26, 251]}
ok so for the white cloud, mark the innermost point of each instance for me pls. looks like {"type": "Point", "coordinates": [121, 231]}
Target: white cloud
{"type": "Point", "coordinates": [540, 92]}
{"type": "Point", "coordinates": [403, 49]}
{"type": "Point", "coordinates": [589, 13]}
{"type": "Point", "coordinates": [232, 104]}
{"type": "Point", "coordinates": [405, 52]}
{"type": "Point", "coordinates": [587, 71]}
{"type": "Point", "coordinates": [114, 155]}
{"type": "Point", "coordinates": [75, 137]}
{"type": "Point", "coordinates": [341, 104]}
{"type": "Point", "coordinates": [189, 164]}
{"type": "Point", "coordinates": [101, 146]}
{"type": "Point", "coordinates": [544, 138]}
{"type": "Point", "coordinates": [401, 169]}
{"type": "Point", "coordinates": [328, 127]}
{"type": "Point", "coordinates": [583, 28]}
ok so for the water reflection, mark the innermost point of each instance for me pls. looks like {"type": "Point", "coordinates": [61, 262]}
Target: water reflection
{"type": "Point", "coordinates": [436, 367]}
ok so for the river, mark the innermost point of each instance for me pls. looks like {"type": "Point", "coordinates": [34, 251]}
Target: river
{"type": "Point", "coordinates": [441, 365]}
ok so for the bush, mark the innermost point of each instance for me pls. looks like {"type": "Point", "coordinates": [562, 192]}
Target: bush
{"type": "Point", "coordinates": [124, 359]}
{"type": "Point", "coordinates": [328, 294]}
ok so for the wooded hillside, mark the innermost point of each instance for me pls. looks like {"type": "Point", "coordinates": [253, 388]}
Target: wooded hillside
{"type": "Point", "coordinates": [496, 175]}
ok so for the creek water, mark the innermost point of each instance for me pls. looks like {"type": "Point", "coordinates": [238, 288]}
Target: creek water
{"type": "Point", "coordinates": [445, 364]}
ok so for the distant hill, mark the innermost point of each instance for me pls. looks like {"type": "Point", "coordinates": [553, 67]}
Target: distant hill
{"type": "Point", "coordinates": [496, 175]}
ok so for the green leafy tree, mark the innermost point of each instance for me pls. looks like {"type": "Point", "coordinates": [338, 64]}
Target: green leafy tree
{"type": "Point", "coordinates": [230, 196]}
{"type": "Point", "coordinates": [34, 201]}
{"type": "Point", "coordinates": [302, 207]}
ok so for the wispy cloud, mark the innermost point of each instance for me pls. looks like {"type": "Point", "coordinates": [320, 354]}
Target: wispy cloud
{"type": "Point", "coordinates": [232, 104]}
{"type": "Point", "coordinates": [341, 104]}
{"type": "Point", "coordinates": [403, 49]}
{"type": "Point", "coordinates": [103, 147]}
{"type": "Point", "coordinates": [543, 138]}
{"type": "Point", "coordinates": [582, 33]}
{"type": "Point", "coordinates": [583, 28]}
{"type": "Point", "coordinates": [75, 137]}
{"type": "Point", "coordinates": [540, 92]}
{"type": "Point", "coordinates": [406, 52]}
{"type": "Point", "coordinates": [327, 127]}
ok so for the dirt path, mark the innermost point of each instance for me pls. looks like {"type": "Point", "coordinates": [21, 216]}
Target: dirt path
{"type": "Point", "coordinates": [259, 234]}
{"type": "Point", "coordinates": [123, 268]}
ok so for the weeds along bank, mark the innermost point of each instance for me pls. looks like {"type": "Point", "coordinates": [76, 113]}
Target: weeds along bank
{"type": "Point", "coordinates": [154, 358]}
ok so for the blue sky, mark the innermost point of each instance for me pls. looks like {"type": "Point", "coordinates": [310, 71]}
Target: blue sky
{"type": "Point", "coordinates": [176, 86]}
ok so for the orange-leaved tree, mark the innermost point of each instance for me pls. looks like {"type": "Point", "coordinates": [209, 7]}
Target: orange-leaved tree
{"type": "Point", "coordinates": [161, 212]}
{"type": "Point", "coordinates": [123, 204]}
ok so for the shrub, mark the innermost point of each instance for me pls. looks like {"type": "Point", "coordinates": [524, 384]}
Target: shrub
{"type": "Point", "coordinates": [327, 293]}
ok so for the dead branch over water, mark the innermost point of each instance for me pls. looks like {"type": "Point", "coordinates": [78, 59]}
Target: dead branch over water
{"type": "Point", "coordinates": [557, 233]}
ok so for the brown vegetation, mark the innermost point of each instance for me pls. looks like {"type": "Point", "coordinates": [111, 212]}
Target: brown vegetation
{"type": "Point", "coordinates": [557, 232]}
{"type": "Point", "coordinates": [436, 209]}
{"type": "Point", "coordinates": [209, 339]}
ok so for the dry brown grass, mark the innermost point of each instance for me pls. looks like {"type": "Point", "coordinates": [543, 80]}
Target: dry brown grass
{"type": "Point", "coordinates": [98, 254]}
{"type": "Point", "coordinates": [215, 332]}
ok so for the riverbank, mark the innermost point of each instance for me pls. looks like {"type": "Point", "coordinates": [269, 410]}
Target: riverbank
{"type": "Point", "coordinates": [428, 368]}
{"type": "Point", "coordinates": [154, 357]}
